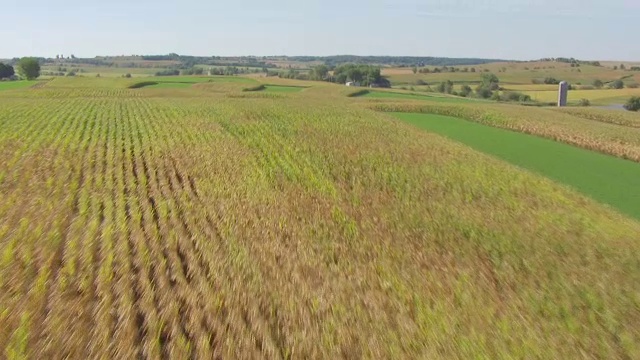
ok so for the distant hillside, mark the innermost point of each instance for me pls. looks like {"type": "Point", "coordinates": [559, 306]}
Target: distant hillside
{"type": "Point", "coordinates": [395, 60]}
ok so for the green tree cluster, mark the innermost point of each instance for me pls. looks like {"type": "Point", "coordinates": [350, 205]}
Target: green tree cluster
{"type": "Point", "coordinates": [445, 87]}
{"type": "Point", "coordinates": [29, 68]}
{"type": "Point", "coordinates": [490, 83]}
{"type": "Point", "coordinates": [6, 71]}
{"type": "Point", "coordinates": [618, 84]}
{"type": "Point", "coordinates": [320, 72]}
{"type": "Point", "coordinates": [365, 75]}
{"type": "Point", "coordinates": [633, 104]}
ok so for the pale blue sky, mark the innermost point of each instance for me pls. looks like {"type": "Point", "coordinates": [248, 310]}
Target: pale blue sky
{"type": "Point", "coordinates": [511, 29]}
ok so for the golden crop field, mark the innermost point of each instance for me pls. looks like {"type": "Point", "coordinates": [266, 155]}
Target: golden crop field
{"type": "Point", "coordinates": [604, 96]}
{"type": "Point", "coordinates": [208, 222]}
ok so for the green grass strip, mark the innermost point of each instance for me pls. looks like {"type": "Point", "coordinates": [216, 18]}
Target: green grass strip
{"type": "Point", "coordinates": [12, 85]}
{"type": "Point", "coordinates": [607, 179]}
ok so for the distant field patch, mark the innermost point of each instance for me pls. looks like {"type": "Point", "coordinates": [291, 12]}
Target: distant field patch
{"type": "Point", "coordinates": [604, 178]}
{"type": "Point", "coordinates": [283, 88]}
{"type": "Point", "coordinates": [12, 85]}
{"type": "Point", "coordinates": [598, 97]}
{"type": "Point", "coordinates": [201, 79]}
{"type": "Point", "coordinates": [274, 88]}
{"type": "Point", "coordinates": [531, 87]}
{"type": "Point", "coordinates": [181, 82]}
{"type": "Point", "coordinates": [172, 85]}
{"type": "Point", "coordinates": [410, 96]}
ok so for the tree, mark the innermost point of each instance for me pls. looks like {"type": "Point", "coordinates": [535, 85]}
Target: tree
{"type": "Point", "coordinates": [489, 78]}
{"type": "Point", "coordinates": [415, 70]}
{"type": "Point", "coordinates": [551, 81]}
{"type": "Point", "coordinates": [633, 104]}
{"type": "Point", "coordinates": [355, 75]}
{"type": "Point", "coordinates": [483, 92]}
{"type": "Point", "coordinates": [598, 84]}
{"type": "Point", "coordinates": [618, 84]}
{"type": "Point", "coordinates": [622, 67]}
{"type": "Point", "coordinates": [445, 87]}
{"type": "Point", "coordinates": [6, 71]}
{"type": "Point", "coordinates": [29, 68]}
{"type": "Point", "coordinates": [319, 72]}
{"type": "Point", "coordinates": [465, 90]}
{"type": "Point", "coordinates": [364, 74]}
{"type": "Point", "coordinates": [584, 102]}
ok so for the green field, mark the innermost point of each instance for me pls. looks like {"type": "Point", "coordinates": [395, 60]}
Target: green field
{"type": "Point", "coordinates": [607, 179]}
{"type": "Point", "coordinates": [181, 82]}
{"type": "Point", "coordinates": [12, 85]}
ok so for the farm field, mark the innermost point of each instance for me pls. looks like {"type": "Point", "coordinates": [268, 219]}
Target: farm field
{"type": "Point", "coordinates": [12, 85]}
{"type": "Point", "coordinates": [592, 129]}
{"type": "Point", "coordinates": [208, 222]}
{"type": "Point", "coordinates": [597, 97]}
{"type": "Point", "coordinates": [587, 171]}
{"type": "Point", "coordinates": [414, 96]}
{"type": "Point", "coordinates": [92, 71]}
{"type": "Point", "coordinates": [171, 85]}
{"type": "Point", "coordinates": [200, 79]}
{"type": "Point", "coordinates": [283, 88]}
{"type": "Point", "coordinates": [527, 77]}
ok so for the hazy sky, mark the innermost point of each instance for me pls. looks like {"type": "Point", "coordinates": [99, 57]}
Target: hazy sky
{"type": "Point", "coordinates": [510, 29]}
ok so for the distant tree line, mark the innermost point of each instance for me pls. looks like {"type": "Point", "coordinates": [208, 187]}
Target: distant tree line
{"type": "Point", "coordinates": [187, 62]}
{"type": "Point", "coordinates": [235, 70]}
{"type": "Point", "coordinates": [228, 71]}
{"type": "Point", "coordinates": [489, 88]}
{"type": "Point", "coordinates": [173, 72]}
{"type": "Point", "coordinates": [364, 75]}
{"type": "Point", "coordinates": [400, 61]}
{"type": "Point", "coordinates": [572, 61]}
{"type": "Point", "coordinates": [443, 69]}
{"type": "Point", "coordinates": [288, 74]}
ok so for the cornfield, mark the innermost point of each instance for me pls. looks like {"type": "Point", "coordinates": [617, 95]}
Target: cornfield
{"type": "Point", "coordinates": [215, 224]}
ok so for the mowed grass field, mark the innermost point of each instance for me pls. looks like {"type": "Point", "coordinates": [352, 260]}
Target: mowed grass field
{"type": "Point", "coordinates": [607, 179]}
{"type": "Point", "coordinates": [12, 85]}
{"type": "Point", "coordinates": [210, 223]}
